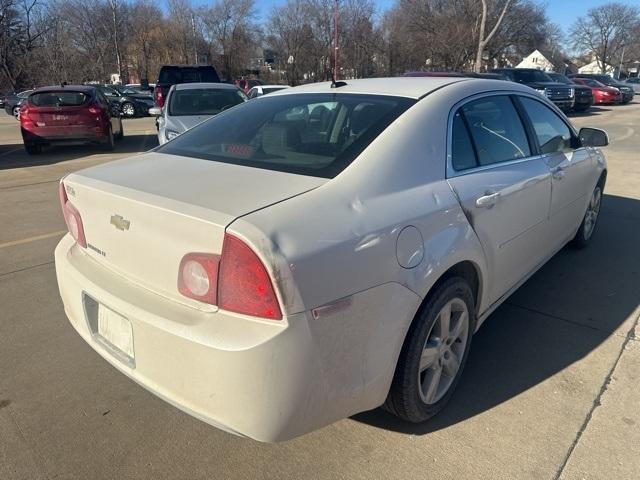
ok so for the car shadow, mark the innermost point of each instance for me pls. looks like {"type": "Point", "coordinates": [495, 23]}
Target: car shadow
{"type": "Point", "coordinates": [560, 315]}
{"type": "Point", "coordinates": [14, 156]}
{"type": "Point", "coordinates": [591, 112]}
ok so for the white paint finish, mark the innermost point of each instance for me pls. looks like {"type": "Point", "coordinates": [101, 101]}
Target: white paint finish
{"type": "Point", "coordinates": [323, 242]}
{"type": "Point", "coordinates": [409, 247]}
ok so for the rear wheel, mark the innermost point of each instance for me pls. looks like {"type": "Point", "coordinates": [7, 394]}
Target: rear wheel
{"type": "Point", "coordinates": [128, 109]}
{"type": "Point", "coordinates": [109, 143]}
{"type": "Point", "coordinates": [590, 219]}
{"type": "Point", "coordinates": [434, 353]}
{"type": "Point", "coordinates": [33, 148]}
{"type": "Point", "coordinates": [16, 112]}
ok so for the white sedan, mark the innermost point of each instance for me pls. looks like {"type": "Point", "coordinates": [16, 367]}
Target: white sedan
{"type": "Point", "coordinates": [326, 250]}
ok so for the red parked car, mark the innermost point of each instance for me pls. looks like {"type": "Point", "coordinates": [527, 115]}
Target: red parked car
{"type": "Point", "coordinates": [602, 94]}
{"type": "Point", "coordinates": [69, 114]}
{"type": "Point", "coordinates": [246, 84]}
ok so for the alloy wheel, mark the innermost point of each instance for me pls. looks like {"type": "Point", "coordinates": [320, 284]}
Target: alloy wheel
{"type": "Point", "coordinates": [443, 351]}
{"type": "Point", "coordinates": [128, 109]}
{"type": "Point", "coordinates": [593, 210]}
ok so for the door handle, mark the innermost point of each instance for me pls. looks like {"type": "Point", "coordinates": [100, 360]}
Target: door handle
{"type": "Point", "coordinates": [558, 173]}
{"type": "Point", "coordinates": [488, 200]}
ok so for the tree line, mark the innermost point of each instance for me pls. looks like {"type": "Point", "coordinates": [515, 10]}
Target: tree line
{"type": "Point", "coordinates": [54, 41]}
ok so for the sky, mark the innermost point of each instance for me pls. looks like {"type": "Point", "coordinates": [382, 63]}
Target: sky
{"type": "Point", "coordinates": [561, 12]}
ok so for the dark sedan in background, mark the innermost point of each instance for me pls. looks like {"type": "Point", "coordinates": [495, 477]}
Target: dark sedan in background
{"type": "Point", "coordinates": [12, 102]}
{"type": "Point", "coordinates": [132, 102]}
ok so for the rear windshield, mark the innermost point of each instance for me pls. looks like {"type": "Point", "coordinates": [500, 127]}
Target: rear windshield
{"type": "Point", "coordinates": [269, 90]}
{"type": "Point", "coordinates": [307, 134]}
{"type": "Point", "coordinates": [203, 101]}
{"type": "Point", "coordinates": [174, 75]}
{"type": "Point", "coordinates": [59, 99]}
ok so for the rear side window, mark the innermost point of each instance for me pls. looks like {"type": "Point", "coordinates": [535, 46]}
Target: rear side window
{"type": "Point", "coordinates": [59, 99]}
{"type": "Point", "coordinates": [495, 129]}
{"type": "Point", "coordinates": [552, 133]}
{"type": "Point", "coordinates": [462, 154]}
{"type": "Point", "coordinates": [307, 134]}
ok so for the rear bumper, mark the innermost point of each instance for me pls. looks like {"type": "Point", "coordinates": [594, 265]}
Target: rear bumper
{"type": "Point", "coordinates": [63, 134]}
{"type": "Point", "coordinates": [267, 380]}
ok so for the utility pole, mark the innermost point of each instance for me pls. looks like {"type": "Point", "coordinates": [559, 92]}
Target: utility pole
{"type": "Point", "coordinates": [621, 61]}
{"type": "Point", "coordinates": [335, 40]}
{"type": "Point", "coordinates": [195, 46]}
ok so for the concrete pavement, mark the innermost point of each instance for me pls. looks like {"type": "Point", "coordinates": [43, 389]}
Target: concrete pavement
{"type": "Point", "coordinates": [550, 390]}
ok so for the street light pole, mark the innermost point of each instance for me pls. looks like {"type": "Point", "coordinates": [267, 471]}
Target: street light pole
{"type": "Point", "coordinates": [621, 61]}
{"type": "Point", "coordinates": [335, 40]}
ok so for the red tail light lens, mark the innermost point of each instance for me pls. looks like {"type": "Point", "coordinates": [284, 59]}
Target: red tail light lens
{"type": "Point", "coordinates": [236, 280]}
{"type": "Point", "coordinates": [158, 97]}
{"type": "Point", "coordinates": [198, 277]}
{"type": "Point", "coordinates": [94, 109]}
{"type": "Point", "coordinates": [244, 285]}
{"type": "Point", "coordinates": [72, 217]}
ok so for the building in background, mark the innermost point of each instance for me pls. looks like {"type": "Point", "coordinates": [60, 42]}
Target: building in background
{"type": "Point", "coordinates": [536, 60]}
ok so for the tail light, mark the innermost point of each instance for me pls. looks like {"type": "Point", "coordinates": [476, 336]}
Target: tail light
{"type": "Point", "coordinates": [71, 217]}
{"type": "Point", "coordinates": [158, 97]}
{"type": "Point", "coordinates": [236, 281]}
{"type": "Point", "coordinates": [94, 109]}
{"type": "Point", "coordinates": [24, 114]}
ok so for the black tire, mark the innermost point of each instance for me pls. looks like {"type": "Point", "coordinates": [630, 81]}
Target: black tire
{"type": "Point", "coordinates": [33, 148]}
{"type": "Point", "coordinates": [589, 222]}
{"type": "Point", "coordinates": [128, 109]}
{"type": "Point", "coordinates": [120, 134]}
{"type": "Point", "coordinates": [405, 399]}
{"type": "Point", "coordinates": [109, 143]}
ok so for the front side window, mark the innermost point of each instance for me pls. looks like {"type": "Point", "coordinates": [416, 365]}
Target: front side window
{"type": "Point", "coordinates": [495, 129]}
{"type": "Point", "coordinates": [203, 101]}
{"type": "Point", "coordinates": [308, 134]}
{"type": "Point", "coordinates": [552, 133]}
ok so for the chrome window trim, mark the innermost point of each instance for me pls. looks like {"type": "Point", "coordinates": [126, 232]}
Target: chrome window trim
{"type": "Point", "coordinates": [451, 172]}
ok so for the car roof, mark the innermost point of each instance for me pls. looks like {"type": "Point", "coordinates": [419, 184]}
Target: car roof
{"type": "Point", "coordinates": [409, 87]}
{"type": "Point", "coordinates": [212, 85]}
{"type": "Point", "coordinates": [60, 88]}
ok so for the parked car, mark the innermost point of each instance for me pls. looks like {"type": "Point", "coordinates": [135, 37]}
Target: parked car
{"type": "Point", "coordinates": [625, 90]}
{"type": "Point", "coordinates": [137, 86]}
{"type": "Point", "coordinates": [269, 274]}
{"type": "Point", "coordinates": [584, 95]}
{"type": "Point", "coordinates": [3, 97]}
{"type": "Point", "coordinates": [246, 84]}
{"type": "Point", "coordinates": [634, 82]}
{"type": "Point", "coordinates": [188, 104]}
{"type": "Point", "coordinates": [132, 103]}
{"type": "Point", "coordinates": [560, 94]}
{"type": "Point", "coordinates": [69, 114]}
{"type": "Point", "coordinates": [260, 90]}
{"type": "Point", "coordinates": [12, 102]}
{"type": "Point", "coordinates": [602, 94]}
{"type": "Point", "coordinates": [174, 74]}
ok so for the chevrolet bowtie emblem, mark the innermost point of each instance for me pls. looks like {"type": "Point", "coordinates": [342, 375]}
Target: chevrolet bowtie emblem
{"type": "Point", "coordinates": [119, 222]}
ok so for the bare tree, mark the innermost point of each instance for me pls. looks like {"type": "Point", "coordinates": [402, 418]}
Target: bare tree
{"type": "Point", "coordinates": [604, 30]}
{"type": "Point", "coordinates": [482, 39]}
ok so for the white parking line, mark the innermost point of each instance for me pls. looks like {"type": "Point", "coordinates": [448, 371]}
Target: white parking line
{"type": "Point", "coordinates": [31, 239]}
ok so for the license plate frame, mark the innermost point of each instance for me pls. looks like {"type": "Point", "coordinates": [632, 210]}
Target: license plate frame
{"type": "Point", "coordinates": [110, 329]}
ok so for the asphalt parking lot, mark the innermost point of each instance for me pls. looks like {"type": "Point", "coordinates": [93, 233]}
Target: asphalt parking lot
{"type": "Point", "coordinates": [550, 389]}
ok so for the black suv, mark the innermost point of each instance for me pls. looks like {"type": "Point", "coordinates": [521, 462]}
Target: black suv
{"type": "Point", "coordinates": [560, 94]}
{"type": "Point", "coordinates": [173, 74]}
{"type": "Point", "coordinates": [626, 90]}
{"type": "Point", "coordinates": [584, 94]}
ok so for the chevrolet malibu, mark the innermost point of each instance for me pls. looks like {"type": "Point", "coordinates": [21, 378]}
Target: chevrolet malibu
{"type": "Point", "coordinates": [326, 249]}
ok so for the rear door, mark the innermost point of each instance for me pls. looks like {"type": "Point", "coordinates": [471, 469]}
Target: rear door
{"type": "Point", "coordinates": [570, 165]}
{"type": "Point", "coordinates": [504, 187]}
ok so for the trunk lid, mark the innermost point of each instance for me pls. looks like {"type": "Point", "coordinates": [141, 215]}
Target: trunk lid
{"type": "Point", "coordinates": [142, 215]}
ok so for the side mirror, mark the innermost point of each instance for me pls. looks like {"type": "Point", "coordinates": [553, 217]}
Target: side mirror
{"type": "Point", "coordinates": [155, 111]}
{"type": "Point", "coordinates": [593, 137]}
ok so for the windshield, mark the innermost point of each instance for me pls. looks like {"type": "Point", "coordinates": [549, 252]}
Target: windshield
{"type": "Point", "coordinates": [203, 101]}
{"type": "Point", "coordinates": [308, 134]}
{"type": "Point", "coordinates": [271, 89]}
{"type": "Point", "coordinates": [530, 76]}
{"type": "Point", "coordinates": [592, 83]}
{"type": "Point", "coordinates": [558, 77]}
{"type": "Point", "coordinates": [173, 75]}
{"type": "Point", "coordinates": [58, 99]}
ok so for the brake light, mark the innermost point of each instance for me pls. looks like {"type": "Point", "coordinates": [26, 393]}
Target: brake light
{"type": "Point", "coordinates": [71, 217]}
{"type": "Point", "coordinates": [24, 114]}
{"type": "Point", "coordinates": [158, 97]}
{"type": "Point", "coordinates": [236, 280]}
{"type": "Point", "coordinates": [94, 109]}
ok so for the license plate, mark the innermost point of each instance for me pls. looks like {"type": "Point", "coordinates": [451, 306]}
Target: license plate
{"type": "Point", "coordinates": [60, 117]}
{"type": "Point", "coordinates": [116, 330]}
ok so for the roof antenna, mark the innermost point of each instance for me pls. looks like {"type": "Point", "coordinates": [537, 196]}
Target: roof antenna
{"type": "Point", "coordinates": [335, 84]}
